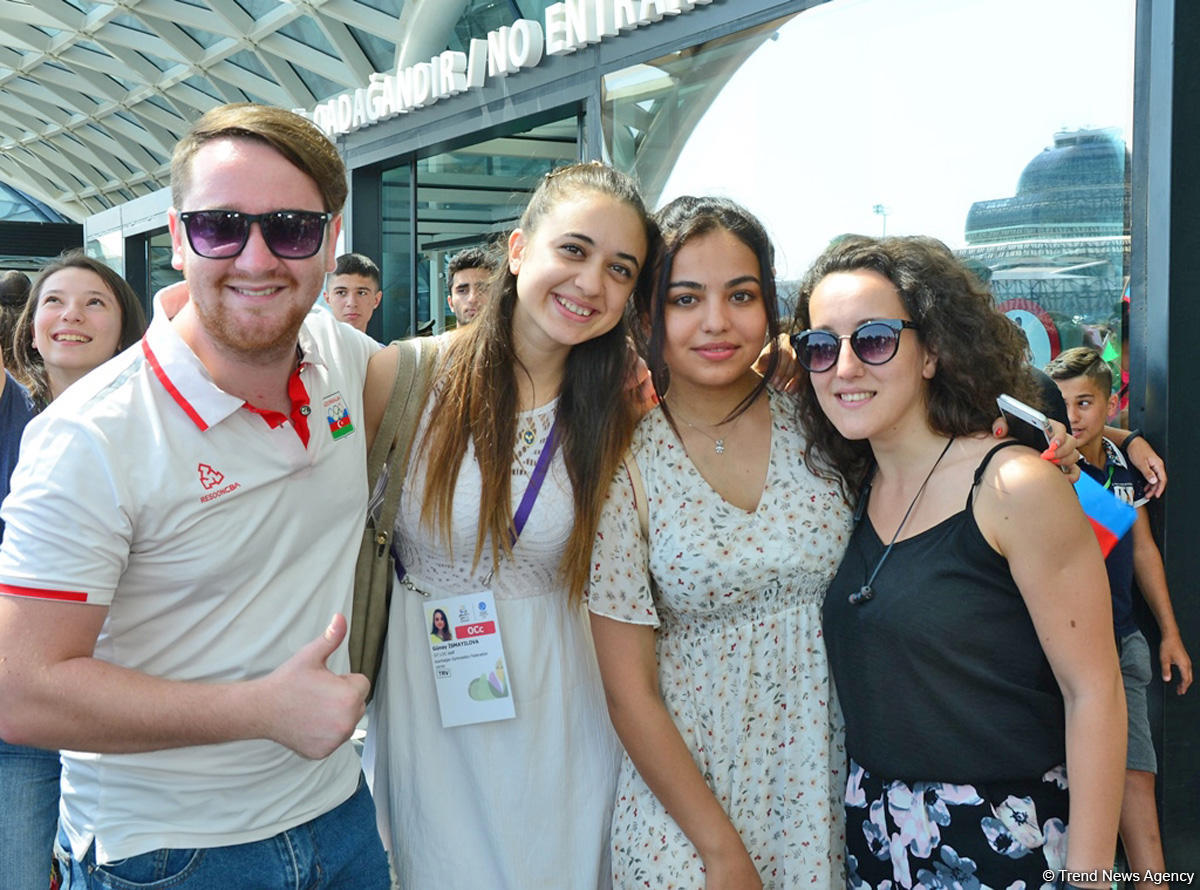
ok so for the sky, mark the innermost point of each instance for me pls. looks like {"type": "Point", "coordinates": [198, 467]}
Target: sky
{"type": "Point", "coordinates": [922, 106]}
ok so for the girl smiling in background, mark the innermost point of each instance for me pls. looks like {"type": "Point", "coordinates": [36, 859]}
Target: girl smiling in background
{"type": "Point", "coordinates": [80, 314]}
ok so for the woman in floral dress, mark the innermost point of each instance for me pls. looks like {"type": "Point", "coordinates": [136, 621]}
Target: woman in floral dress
{"type": "Point", "coordinates": [705, 609]}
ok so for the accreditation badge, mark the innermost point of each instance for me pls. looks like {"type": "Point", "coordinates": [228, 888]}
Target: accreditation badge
{"type": "Point", "coordinates": [470, 673]}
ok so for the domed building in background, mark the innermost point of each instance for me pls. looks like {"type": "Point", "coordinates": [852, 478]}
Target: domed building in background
{"type": "Point", "coordinates": [1058, 250]}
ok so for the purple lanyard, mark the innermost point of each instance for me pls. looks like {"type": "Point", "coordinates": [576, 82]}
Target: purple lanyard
{"type": "Point", "coordinates": [531, 493]}
{"type": "Point", "coordinates": [535, 482]}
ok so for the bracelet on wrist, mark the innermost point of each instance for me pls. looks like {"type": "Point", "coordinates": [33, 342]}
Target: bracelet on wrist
{"type": "Point", "coordinates": [1133, 434]}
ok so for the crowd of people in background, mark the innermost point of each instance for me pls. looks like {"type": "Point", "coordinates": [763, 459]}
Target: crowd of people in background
{"type": "Point", "coordinates": [805, 620]}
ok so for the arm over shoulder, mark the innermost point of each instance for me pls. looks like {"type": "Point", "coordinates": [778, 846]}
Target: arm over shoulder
{"type": "Point", "coordinates": [381, 374]}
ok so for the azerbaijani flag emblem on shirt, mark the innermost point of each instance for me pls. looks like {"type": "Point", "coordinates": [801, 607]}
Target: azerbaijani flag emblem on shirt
{"type": "Point", "coordinates": [338, 416]}
{"type": "Point", "coordinates": [1110, 517]}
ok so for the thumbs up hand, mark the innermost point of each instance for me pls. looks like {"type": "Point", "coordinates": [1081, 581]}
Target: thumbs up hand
{"type": "Point", "coordinates": [308, 707]}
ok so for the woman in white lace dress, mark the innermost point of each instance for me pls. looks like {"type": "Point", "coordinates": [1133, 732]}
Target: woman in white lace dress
{"type": "Point", "coordinates": [706, 608]}
{"type": "Point", "coordinates": [525, 802]}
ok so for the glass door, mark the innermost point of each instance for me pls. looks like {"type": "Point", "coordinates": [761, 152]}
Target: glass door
{"type": "Point", "coordinates": [470, 196]}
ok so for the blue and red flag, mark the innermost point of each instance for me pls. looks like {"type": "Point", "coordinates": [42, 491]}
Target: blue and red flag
{"type": "Point", "coordinates": [1110, 517]}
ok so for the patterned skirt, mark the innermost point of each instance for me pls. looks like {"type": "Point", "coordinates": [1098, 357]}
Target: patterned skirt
{"type": "Point", "coordinates": [932, 835]}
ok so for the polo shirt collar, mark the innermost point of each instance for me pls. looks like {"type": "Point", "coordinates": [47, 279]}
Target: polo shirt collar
{"type": "Point", "coordinates": [186, 379]}
{"type": "Point", "coordinates": [310, 349]}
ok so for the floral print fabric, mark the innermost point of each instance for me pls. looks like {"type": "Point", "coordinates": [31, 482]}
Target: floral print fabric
{"type": "Point", "coordinates": [942, 836]}
{"type": "Point", "coordinates": [742, 669]}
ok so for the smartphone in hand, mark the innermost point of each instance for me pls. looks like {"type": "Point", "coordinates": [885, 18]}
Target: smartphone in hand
{"type": "Point", "coordinates": [1027, 425]}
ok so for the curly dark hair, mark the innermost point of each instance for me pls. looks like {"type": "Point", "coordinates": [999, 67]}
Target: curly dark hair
{"type": "Point", "coordinates": [980, 353]}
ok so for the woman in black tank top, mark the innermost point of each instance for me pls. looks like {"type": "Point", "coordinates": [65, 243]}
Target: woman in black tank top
{"type": "Point", "coordinates": [968, 628]}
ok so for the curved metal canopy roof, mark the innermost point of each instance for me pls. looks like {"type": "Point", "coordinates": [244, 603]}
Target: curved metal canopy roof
{"type": "Point", "coordinates": [95, 93]}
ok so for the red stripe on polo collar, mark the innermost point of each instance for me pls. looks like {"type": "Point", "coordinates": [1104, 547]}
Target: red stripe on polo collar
{"type": "Point", "coordinates": [300, 407]}
{"type": "Point", "coordinates": [170, 387]}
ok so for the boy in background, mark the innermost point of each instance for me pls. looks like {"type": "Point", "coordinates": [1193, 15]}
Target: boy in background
{"type": "Point", "coordinates": [1085, 381]}
{"type": "Point", "coordinates": [354, 290]}
{"type": "Point", "coordinates": [470, 272]}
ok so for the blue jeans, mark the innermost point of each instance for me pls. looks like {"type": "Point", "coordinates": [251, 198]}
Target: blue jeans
{"type": "Point", "coordinates": [340, 849]}
{"type": "Point", "coordinates": [28, 815]}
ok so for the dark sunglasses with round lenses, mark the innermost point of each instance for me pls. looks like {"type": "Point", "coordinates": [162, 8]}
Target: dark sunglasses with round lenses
{"type": "Point", "coordinates": [221, 234]}
{"type": "Point", "coordinates": [875, 343]}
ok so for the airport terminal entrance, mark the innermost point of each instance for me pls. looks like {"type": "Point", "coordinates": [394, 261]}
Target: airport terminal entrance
{"type": "Point", "coordinates": [434, 205]}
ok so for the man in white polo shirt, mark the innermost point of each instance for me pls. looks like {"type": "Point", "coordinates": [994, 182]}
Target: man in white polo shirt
{"type": "Point", "coordinates": [182, 525]}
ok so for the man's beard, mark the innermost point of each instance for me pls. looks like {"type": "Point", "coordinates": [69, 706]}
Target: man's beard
{"type": "Point", "coordinates": [251, 343]}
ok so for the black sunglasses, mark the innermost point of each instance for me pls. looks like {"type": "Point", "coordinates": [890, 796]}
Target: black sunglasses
{"type": "Point", "coordinates": [221, 234]}
{"type": "Point", "coordinates": [874, 342]}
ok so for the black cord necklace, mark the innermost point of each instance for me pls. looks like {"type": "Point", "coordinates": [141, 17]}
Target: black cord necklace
{"type": "Point", "coordinates": [865, 593]}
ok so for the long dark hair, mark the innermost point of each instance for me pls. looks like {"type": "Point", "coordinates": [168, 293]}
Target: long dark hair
{"type": "Point", "coordinates": [30, 369]}
{"type": "Point", "coordinates": [444, 633]}
{"type": "Point", "coordinates": [683, 219]}
{"type": "Point", "coordinates": [980, 353]}
{"type": "Point", "coordinates": [478, 402]}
